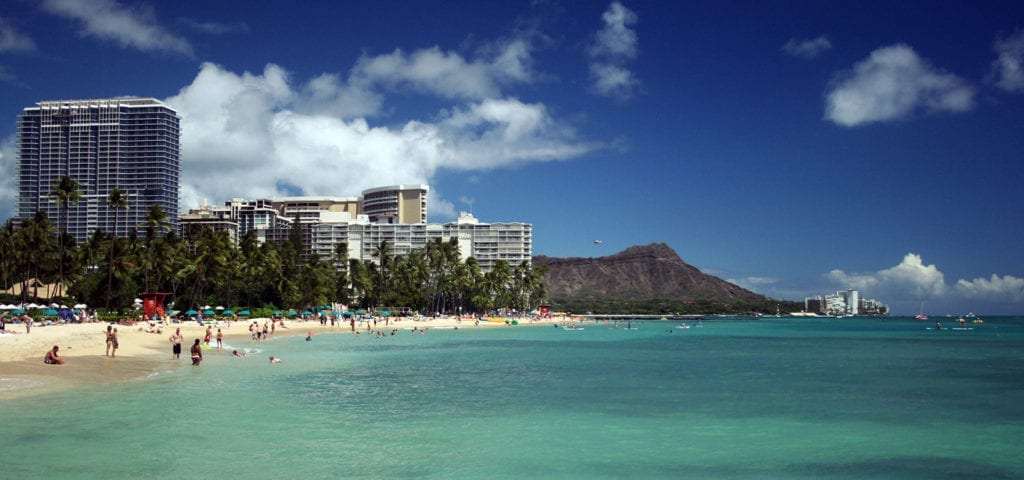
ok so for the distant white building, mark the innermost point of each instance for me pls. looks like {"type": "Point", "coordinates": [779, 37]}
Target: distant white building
{"type": "Point", "coordinates": [400, 214]}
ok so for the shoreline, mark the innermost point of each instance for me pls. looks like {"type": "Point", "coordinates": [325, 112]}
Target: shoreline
{"type": "Point", "coordinates": [140, 354]}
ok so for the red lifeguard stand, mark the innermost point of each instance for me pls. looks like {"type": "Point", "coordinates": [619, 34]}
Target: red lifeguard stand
{"type": "Point", "coordinates": [153, 303]}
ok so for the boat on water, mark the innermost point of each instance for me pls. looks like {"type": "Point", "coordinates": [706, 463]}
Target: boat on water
{"type": "Point", "coordinates": [921, 316]}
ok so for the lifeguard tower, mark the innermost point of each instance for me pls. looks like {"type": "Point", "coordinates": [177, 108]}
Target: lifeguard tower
{"type": "Point", "coordinates": [153, 304]}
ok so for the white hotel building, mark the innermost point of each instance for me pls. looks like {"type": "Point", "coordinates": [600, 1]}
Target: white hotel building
{"type": "Point", "coordinates": [396, 214]}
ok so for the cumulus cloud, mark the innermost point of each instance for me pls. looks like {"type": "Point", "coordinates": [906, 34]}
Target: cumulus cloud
{"type": "Point", "coordinates": [614, 45]}
{"type": "Point", "coordinates": [1008, 68]}
{"type": "Point", "coordinates": [1006, 287]}
{"type": "Point", "coordinates": [807, 49]}
{"type": "Point", "coordinates": [892, 83]}
{"type": "Point", "coordinates": [131, 27]}
{"type": "Point", "coordinates": [11, 40]}
{"type": "Point", "coordinates": [262, 135]}
{"type": "Point", "coordinates": [913, 279]}
{"type": "Point", "coordinates": [448, 74]}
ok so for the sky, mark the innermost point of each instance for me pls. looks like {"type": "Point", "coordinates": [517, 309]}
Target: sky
{"type": "Point", "coordinates": [793, 148]}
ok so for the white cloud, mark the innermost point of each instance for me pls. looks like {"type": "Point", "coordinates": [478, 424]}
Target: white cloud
{"type": "Point", "coordinates": [214, 28]}
{"type": "Point", "coordinates": [1008, 68]}
{"type": "Point", "coordinates": [448, 74]}
{"type": "Point", "coordinates": [616, 39]}
{"type": "Point", "coordinates": [258, 136]}
{"type": "Point", "coordinates": [892, 83]}
{"type": "Point", "coordinates": [807, 49]}
{"type": "Point", "coordinates": [615, 45]}
{"type": "Point", "coordinates": [914, 280]}
{"type": "Point", "coordinates": [133, 27]}
{"type": "Point", "coordinates": [911, 278]}
{"type": "Point", "coordinates": [11, 40]}
{"type": "Point", "coordinates": [1006, 287]}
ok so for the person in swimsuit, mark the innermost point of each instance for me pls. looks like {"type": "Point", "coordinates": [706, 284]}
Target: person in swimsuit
{"type": "Point", "coordinates": [53, 358]}
{"type": "Point", "coordinates": [176, 340]}
{"type": "Point", "coordinates": [197, 353]}
{"type": "Point", "coordinates": [110, 332]}
{"type": "Point", "coordinates": [113, 344]}
{"type": "Point", "coordinates": [220, 339]}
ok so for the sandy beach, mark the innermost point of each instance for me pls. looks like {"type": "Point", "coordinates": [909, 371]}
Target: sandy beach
{"type": "Point", "coordinates": [140, 353]}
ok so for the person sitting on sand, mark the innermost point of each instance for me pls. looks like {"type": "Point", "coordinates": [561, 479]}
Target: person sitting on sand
{"type": "Point", "coordinates": [275, 360]}
{"type": "Point", "coordinates": [53, 358]}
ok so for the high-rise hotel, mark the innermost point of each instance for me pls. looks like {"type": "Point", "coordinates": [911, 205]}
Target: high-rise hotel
{"type": "Point", "coordinates": [130, 143]}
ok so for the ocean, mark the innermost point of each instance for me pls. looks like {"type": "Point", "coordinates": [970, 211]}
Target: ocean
{"type": "Point", "coordinates": [775, 398]}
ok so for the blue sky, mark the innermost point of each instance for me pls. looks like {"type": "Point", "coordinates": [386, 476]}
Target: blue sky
{"type": "Point", "coordinates": [794, 148]}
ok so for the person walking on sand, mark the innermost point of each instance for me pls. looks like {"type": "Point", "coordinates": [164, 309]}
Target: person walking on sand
{"type": "Point", "coordinates": [110, 333]}
{"type": "Point", "coordinates": [197, 353]}
{"type": "Point", "coordinates": [53, 358]}
{"type": "Point", "coordinates": [209, 335]}
{"type": "Point", "coordinates": [176, 340]}
{"type": "Point", "coordinates": [28, 323]}
{"type": "Point", "coordinates": [220, 339]}
{"type": "Point", "coordinates": [113, 344]}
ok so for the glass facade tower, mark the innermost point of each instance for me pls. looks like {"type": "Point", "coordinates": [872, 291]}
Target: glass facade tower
{"type": "Point", "coordinates": [130, 143]}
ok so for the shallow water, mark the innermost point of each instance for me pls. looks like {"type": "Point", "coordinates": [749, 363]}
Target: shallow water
{"type": "Point", "coordinates": [774, 398]}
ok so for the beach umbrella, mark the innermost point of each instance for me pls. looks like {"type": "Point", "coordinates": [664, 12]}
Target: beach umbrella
{"type": "Point", "coordinates": [277, 312]}
{"type": "Point", "coordinates": [219, 307]}
{"type": "Point", "coordinates": [191, 312]}
{"type": "Point", "coordinates": [172, 312]}
{"type": "Point", "coordinates": [244, 313]}
{"type": "Point", "coordinates": [49, 312]}
{"type": "Point", "coordinates": [384, 313]}
{"type": "Point", "coordinates": [228, 312]}
{"type": "Point", "coordinates": [18, 311]}
{"type": "Point", "coordinates": [360, 312]}
{"type": "Point", "coordinates": [307, 312]}
{"type": "Point", "coordinates": [208, 312]}
{"type": "Point", "coordinates": [347, 314]}
{"type": "Point", "coordinates": [81, 305]}
{"type": "Point", "coordinates": [291, 313]}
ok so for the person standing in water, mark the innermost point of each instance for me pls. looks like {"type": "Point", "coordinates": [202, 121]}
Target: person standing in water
{"type": "Point", "coordinates": [176, 340]}
{"type": "Point", "coordinates": [197, 353]}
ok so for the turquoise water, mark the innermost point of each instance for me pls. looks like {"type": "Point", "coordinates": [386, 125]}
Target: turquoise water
{"type": "Point", "coordinates": [774, 398]}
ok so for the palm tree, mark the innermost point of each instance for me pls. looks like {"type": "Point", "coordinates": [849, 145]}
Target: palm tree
{"type": "Point", "coordinates": [117, 200]}
{"type": "Point", "coordinates": [65, 192]}
{"type": "Point", "coordinates": [8, 244]}
{"type": "Point", "coordinates": [157, 220]}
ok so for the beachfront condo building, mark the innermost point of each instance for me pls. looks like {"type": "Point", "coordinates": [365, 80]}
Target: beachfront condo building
{"type": "Point", "coordinates": [326, 222]}
{"type": "Point", "coordinates": [129, 142]}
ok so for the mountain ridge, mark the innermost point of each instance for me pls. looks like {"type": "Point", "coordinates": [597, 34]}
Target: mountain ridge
{"type": "Point", "coordinates": [653, 271]}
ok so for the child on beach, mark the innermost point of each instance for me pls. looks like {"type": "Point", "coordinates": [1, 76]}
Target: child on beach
{"type": "Point", "coordinates": [53, 358]}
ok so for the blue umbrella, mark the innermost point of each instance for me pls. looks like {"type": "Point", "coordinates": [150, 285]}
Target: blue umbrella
{"type": "Point", "coordinates": [191, 312]}
{"type": "Point", "coordinates": [347, 314]}
{"type": "Point", "coordinates": [209, 312]}
{"type": "Point", "coordinates": [50, 313]}
{"type": "Point", "coordinates": [384, 313]}
{"type": "Point", "coordinates": [307, 312]}
{"type": "Point", "coordinates": [228, 312]}
{"type": "Point", "coordinates": [244, 313]}
{"type": "Point", "coordinates": [18, 311]}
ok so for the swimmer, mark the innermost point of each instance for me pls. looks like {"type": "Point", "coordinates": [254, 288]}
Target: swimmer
{"type": "Point", "coordinates": [275, 360]}
{"type": "Point", "coordinates": [238, 354]}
